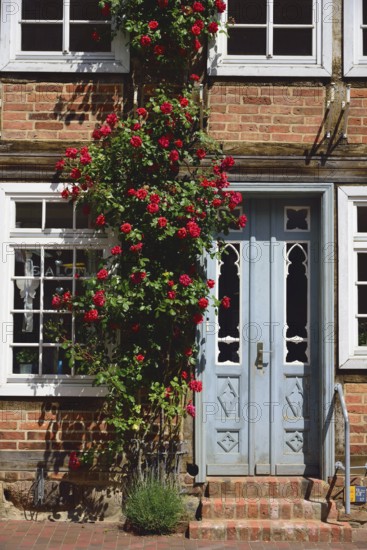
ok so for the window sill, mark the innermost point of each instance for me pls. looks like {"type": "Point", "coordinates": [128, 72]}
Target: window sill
{"type": "Point", "coordinates": [51, 387]}
{"type": "Point", "coordinates": [355, 363]}
{"type": "Point", "coordinates": [62, 65]}
{"type": "Point", "coordinates": [277, 69]}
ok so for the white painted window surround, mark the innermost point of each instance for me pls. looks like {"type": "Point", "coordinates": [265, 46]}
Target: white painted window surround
{"type": "Point", "coordinates": [352, 244]}
{"type": "Point", "coordinates": [12, 59]}
{"type": "Point", "coordinates": [13, 237]}
{"type": "Point", "coordinates": [318, 64]}
{"type": "Point", "coordinates": [355, 59]}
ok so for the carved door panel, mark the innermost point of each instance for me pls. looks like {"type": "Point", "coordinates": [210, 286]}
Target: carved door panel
{"type": "Point", "coordinates": [261, 373]}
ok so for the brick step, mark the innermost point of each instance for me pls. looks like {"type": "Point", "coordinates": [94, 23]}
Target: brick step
{"type": "Point", "coordinates": [267, 486]}
{"type": "Point", "coordinates": [263, 508]}
{"type": "Point", "coordinates": [268, 530]}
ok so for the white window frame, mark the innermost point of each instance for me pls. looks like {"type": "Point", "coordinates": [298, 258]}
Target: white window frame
{"type": "Point", "coordinates": [47, 384]}
{"type": "Point", "coordinates": [351, 355]}
{"type": "Point", "coordinates": [319, 65]}
{"type": "Point", "coordinates": [12, 59]}
{"type": "Point", "coordinates": [355, 64]}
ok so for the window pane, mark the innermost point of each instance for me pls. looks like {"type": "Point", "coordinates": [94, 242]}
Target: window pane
{"type": "Point", "coordinates": [21, 320]}
{"type": "Point", "coordinates": [56, 328]}
{"type": "Point", "coordinates": [27, 294]}
{"type": "Point", "coordinates": [55, 288]}
{"type": "Point", "coordinates": [292, 41]}
{"type": "Point", "coordinates": [247, 11]}
{"type": "Point", "coordinates": [362, 219]}
{"type": "Point", "coordinates": [82, 217]}
{"type": "Point", "coordinates": [247, 42]}
{"type": "Point", "coordinates": [364, 38]}
{"type": "Point", "coordinates": [81, 38]}
{"type": "Point", "coordinates": [28, 214]}
{"type": "Point", "coordinates": [42, 10]}
{"type": "Point", "coordinates": [59, 215]}
{"type": "Point", "coordinates": [58, 263]}
{"type": "Point", "coordinates": [54, 361]}
{"type": "Point", "coordinates": [362, 332]}
{"type": "Point", "coordinates": [25, 360]}
{"type": "Point", "coordinates": [362, 267]}
{"type": "Point", "coordinates": [41, 38]}
{"type": "Point", "coordinates": [87, 10]}
{"type": "Point", "coordinates": [293, 12]}
{"type": "Point", "coordinates": [88, 262]}
{"type": "Point", "coordinates": [364, 12]}
{"type": "Point", "coordinates": [362, 299]}
{"type": "Point", "coordinates": [27, 263]}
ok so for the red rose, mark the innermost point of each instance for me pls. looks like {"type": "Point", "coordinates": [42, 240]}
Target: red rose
{"type": "Point", "coordinates": [75, 173]}
{"type": "Point", "coordinates": [74, 462]}
{"type": "Point", "coordinates": [100, 220]}
{"type": "Point", "coordinates": [136, 127]}
{"type": "Point", "coordinates": [153, 25]}
{"type": "Point", "coordinates": [135, 327]}
{"type": "Point", "coordinates": [171, 294]}
{"type": "Point", "coordinates": [116, 250]}
{"type": "Point", "coordinates": [102, 274]}
{"type": "Point", "coordinates": [96, 134]}
{"type": "Point", "coordinates": [65, 194]}
{"type": "Point", "coordinates": [162, 222]}
{"type": "Point", "coordinates": [197, 44]}
{"type": "Point", "coordinates": [174, 155]}
{"type": "Point", "coordinates": [201, 153]}
{"type": "Point", "coordinates": [112, 119]}
{"type": "Point", "coordinates": [139, 357]}
{"type": "Point", "coordinates": [105, 130]}
{"type": "Point", "coordinates": [85, 159]}
{"type": "Point", "coordinates": [106, 10]}
{"type": "Point", "coordinates": [242, 221]}
{"type": "Point", "coordinates": [203, 303]}
{"type": "Point", "coordinates": [131, 192]}
{"type": "Point", "coordinates": [178, 143]}
{"type": "Point", "coordinates": [141, 194]}
{"type": "Point", "coordinates": [182, 233]}
{"type": "Point", "coordinates": [227, 162]}
{"type": "Point", "coordinates": [190, 409]}
{"type": "Point", "coordinates": [171, 283]}
{"type": "Point", "coordinates": [221, 6]}
{"type": "Point", "coordinates": [217, 203]}
{"type": "Point", "coordinates": [166, 108]}
{"type": "Point", "coordinates": [210, 283]}
{"type": "Point", "coordinates": [138, 277]}
{"type": "Point", "coordinates": [152, 208]}
{"type": "Point", "coordinates": [126, 228]}
{"type": "Point", "coordinates": [91, 316]}
{"type": "Point", "coordinates": [196, 30]}
{"type": "Point", "coordinates": [188, 352]}
{"type": "Point", "coordinates": [60, 165]}
{"type": "Point", "coordinates": [162, 3]}
{"type": "Point", "coordinates": [145, 40]}
{"type": "Point", "coordinates": [194, 77]}
{"type": "Point", "coordinates": [226, 302]}
{"type": "Point", "coordinates": [193, 229]}
{"type": "Point", "coordinates": [96, 37]}
{"type": "Point", "coordinates": [185, 280]}
{"type": "Point", "coordinates": [163, 142]}
{"type": "Point", "coordinates": [198, 7]}
{"type": "Point", "coordinates": [99, 298]}
{"type": "Point", "coordinates": [159, 49]}
{"type": "Point", "coordinates": [195, 385]}
{"type": "Point", "coordinates": [184, 375]}
{"type": "Point", "coordinates": [213, 27]}
{"type": "Point", "coordinates": [56, 301]}
{"type": "Point", "coordinates": [136, 247]}
{"type": "Point", "coordinates": [136, 141]}
{"type": "Point", "coordinates": [197, 318]}
{"type": "Point", "coordinates": [141, 111]}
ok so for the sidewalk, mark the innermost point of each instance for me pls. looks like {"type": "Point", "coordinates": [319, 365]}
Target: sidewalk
{"type": "Point", "coordinates": [31, 535]}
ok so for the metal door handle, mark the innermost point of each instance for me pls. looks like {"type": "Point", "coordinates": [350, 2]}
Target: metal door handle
{"type": "Point", "coordinates": [260, 355]}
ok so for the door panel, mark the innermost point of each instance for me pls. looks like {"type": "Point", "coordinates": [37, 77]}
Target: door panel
{"type": "Point", "coordinates": [261, 376]}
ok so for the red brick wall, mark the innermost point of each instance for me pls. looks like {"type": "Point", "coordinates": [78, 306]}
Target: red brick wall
{"type": "Point", "coordinates": [356, 400]}
{"type": "Point", "coordinates": [286, 114]}
{"type": "Point", "coordinates": [357, 118]}
{"type": "Point", "coordinates": [56, 111]}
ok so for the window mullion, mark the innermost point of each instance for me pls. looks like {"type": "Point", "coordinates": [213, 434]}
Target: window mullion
{"type": "Point", "coordinates": [66, 28]}
{"type": "Point", "coordinates": [269, 30]}
{"type": "Point", "coordinates": [42, 282]}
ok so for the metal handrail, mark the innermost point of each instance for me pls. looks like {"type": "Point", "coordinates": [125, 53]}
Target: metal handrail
{"type": "Point", "coordinates": [338, 388]}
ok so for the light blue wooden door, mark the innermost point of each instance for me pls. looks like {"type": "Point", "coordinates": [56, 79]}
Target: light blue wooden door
{"type": "Point", "coordinates": [261, 367]}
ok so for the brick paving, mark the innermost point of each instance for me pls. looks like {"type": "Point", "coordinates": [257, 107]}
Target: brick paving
{"type": "Point", "coordinates": [31, 535]}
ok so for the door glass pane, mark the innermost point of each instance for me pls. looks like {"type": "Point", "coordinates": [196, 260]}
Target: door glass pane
{"type": "Point", "coordinates": [41, 38]}
{"type": "Point", "coordinates": [81, 38]}
{"type": "Point", "coordinates": [362, 299]}
{"type": "Point", "coordinates": [42, 10]}
{"type": "Point", "coordinates": [28, 214]}
{"type": "Point", "coordinates": [247, 42]}
{"type": "Point", "coordinates": [247, 11]}
{"type": "Point", "coordinates": [297, 302]}
{"type": "Point", "coordinates": [362, 219]}
{"type": "Point", "coordinates": [229, 294]}
{"type": "Point", "coordinates": [292, 41]}
{"type": "Point", "coordinates": [59, 215]}
{"type": "Point", "coordinates": [293, 12]}
{"type": "Point", "coordinates": [87, 10]}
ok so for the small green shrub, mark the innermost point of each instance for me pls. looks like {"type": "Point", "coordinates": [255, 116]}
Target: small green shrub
{"type": "Point", "coordinates": [153, 506]}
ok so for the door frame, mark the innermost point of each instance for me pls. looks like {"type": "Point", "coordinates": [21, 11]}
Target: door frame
{"type": "Point", "coordinates": [325, 192]}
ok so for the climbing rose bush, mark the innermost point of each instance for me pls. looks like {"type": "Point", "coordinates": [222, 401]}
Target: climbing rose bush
{"type": "Point", "coordinates": [166, 29]}
{"type": "Point", "coordinates": [148, 188]}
